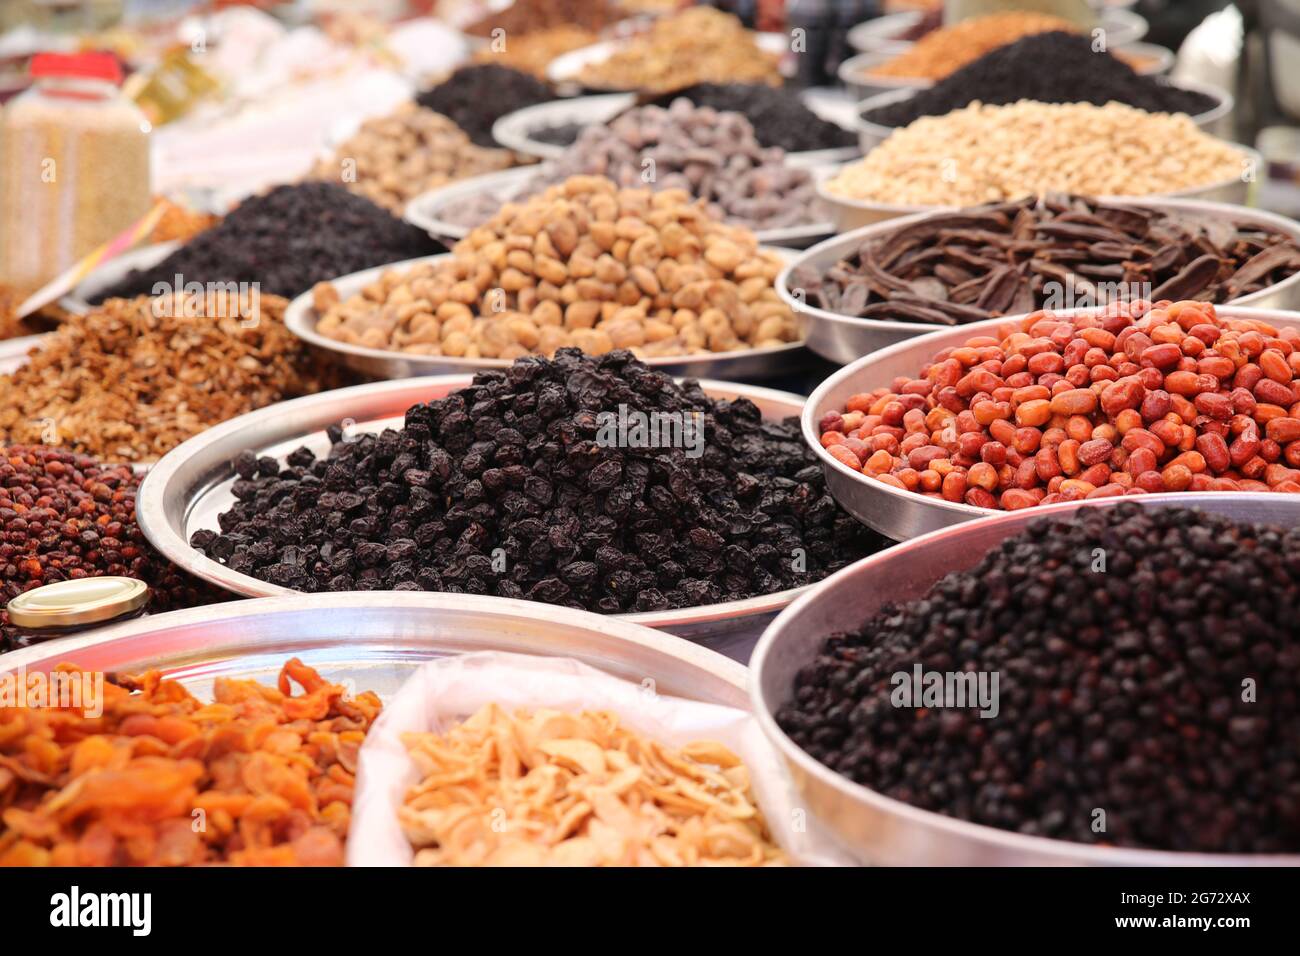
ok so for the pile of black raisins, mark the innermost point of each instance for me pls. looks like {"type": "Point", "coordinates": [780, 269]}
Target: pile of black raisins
{"type": "Point", "coordinates": [503, 488]}
{"type": "Point", "coordinates": [1149, 668]}
{"type": "Point", "coordinates": [286, 241]}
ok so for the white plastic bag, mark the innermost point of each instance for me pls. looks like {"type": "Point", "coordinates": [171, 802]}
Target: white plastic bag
{"type": "Point", "coordinates": [445, 691]}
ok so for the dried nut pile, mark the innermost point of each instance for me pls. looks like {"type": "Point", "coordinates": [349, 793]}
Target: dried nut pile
{"type": "Point", "coordinates": [270, 773]}
{"type": "Point", "coordinates": [593, 483]}
{"type": "Point", "coordinates": [578, 790]}
{"type": "Point", "coordinates": [392, 159]}
{"type": "Point", "coordinates": [526, 18]}
{"type": "Point", "coordinates": [778, 115]}
{"type": "Point", "coordinates": [134, 378]}
{"type": "Point", "coordinates": [65, 516]}
{"type": "Point", "coordinates": [180, 223]}
{"type": "Point", "coordinates": [950, 48]}
{"type": "Point", "coordinates": [713, 156]}
{"type": "Point", "coordinates": [1011, 258]}
{"type": "Point", "coordinates": [533, 52]}
{"type": "Point", "coordinates": [991, 153]}
{"type": "Point", "coordinates": [1119, 687]}
{"type": "Point", "coordinates": [698, 45]}
{"type": "Point", "coordinates": [11, 327]}
{"type": "Point", "coordinates": [1125, 400]}
{"type": "Point", "coordinates": [585, 265]}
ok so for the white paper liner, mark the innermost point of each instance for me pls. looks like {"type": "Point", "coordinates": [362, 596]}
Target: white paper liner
{"type": "Point", "coordinates": [445, 691]}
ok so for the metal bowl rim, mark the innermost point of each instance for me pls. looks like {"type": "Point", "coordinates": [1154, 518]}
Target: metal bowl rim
{"type": "Point", "coordinates": [172, 545]}
{"type": "Point", "coordinates": [953, 826]}
{"type": "Point", "coordinates": [432, 222]}
{"type": "Point", "coordinates": [812, 436]}
{"type": "Point", "coordinates": [623, 630]}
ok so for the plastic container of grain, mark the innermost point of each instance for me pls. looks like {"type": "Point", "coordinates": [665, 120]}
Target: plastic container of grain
{"type": "Point", "coordinates": [74, 167]}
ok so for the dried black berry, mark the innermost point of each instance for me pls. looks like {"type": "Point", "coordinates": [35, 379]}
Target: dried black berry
{"type": "Point", "coordinates": [1148, 665]}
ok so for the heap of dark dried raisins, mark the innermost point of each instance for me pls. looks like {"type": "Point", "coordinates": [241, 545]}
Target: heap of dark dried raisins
{"type": "Point", "coordinates": [506, 488]}
{"type": "Point", "coordinates": [1149, 668]}
{"type": "Point", "coordinates": [286, 241]}
{"type": "Point", "coordinates": [65, 516]}
{"type": "Point", "coordinates": [476, 96]}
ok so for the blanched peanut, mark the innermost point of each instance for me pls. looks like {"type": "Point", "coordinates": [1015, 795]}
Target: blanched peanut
{"type": "Point", "coordinates": [584, 264]}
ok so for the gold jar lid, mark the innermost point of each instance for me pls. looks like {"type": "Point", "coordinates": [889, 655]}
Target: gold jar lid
{"type": "Point", "coordinates": [77, 603]}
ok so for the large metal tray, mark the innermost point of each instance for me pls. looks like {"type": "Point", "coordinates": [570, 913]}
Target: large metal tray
{"type": "Point", "coordinates": [845, 339]}
{"type": "Point", "coordinates": [190, 486]}
{"type": "Point", "coordinates": [1216, 121]}
{"type": "Point", "coordinates": [373, 641]}
{"type": "Point", "coordinates": [426, 210]}
{"type": "Point", "coordinates": [900, 514]}
{"type": "Point", "coordinates": [855, 213]}
{"type": "Point", "coordinates": [879, 829]}
{"type": "Point", "coordinates": [301, 317]}
{"type": "Point", "coordinates": [515, 130]}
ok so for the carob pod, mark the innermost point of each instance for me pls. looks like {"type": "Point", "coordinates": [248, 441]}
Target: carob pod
{"type": "Point", "coordinates": [1015, 257]}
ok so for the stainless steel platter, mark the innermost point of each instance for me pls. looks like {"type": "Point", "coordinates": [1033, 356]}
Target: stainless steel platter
{"type": "Point", "coordinates": [374, 640]}
{"type": "Point", "coordinates": [844, 339]}
{"type": "Point", "coordinates": [113, 271]}
{"type": "Point", "coordinates": [190, 486]}
{"type": "Point", "coordinates": [516, 130]}
{"type": "Point", "coordinates": [301, 317]}
{"type": "Point", "coordinates": [881, 830]}
{"type": "Point", "coordinates": [427, 209]}
{"type": "Point", "coordinates": [1216, 121]}
{"type": "Point", "coordinates": [855, 213]}
{"type": "Point", "coordinates": [900, 514]}
{"type": "Point", "coordinates": [1122, 27]}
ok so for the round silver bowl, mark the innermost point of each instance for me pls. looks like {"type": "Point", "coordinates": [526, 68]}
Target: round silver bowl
{"type": "Point", "coordinates": [1216, 121]}
{"type": "Point", "coordinates": [301, 318]}
{"type": "Point", "coordinates": [517, 130]}
{"type": "Point", "coordinates": [375, 640]}
{"type": "Point", "coordinates": [855, 213]}
{"type": "Point", "coordinates": [190, 486]}
{"type": "Point", "coordinates": [900, 514]}
{"type": "Point", "coordinates": [1122, 26]}
{"type": "Point", "coordinates": [844, 339]}
{"type": "Point", "coordinates": [878, 829]}
{"type": "Point", "coordinates": [427, 209]}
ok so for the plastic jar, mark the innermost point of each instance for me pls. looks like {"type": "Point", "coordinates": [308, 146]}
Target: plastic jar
{"type": "Point", "coordinates": [74, 167]}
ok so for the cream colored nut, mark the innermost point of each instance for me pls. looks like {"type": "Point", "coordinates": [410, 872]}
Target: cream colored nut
{"type": "Point", "coordinates": [548, 313]}
{"type": "Point", "coordinates": [592, 341]}
{"type": "Point", "coordinates": [525, 332]}
{"type": "Point", "coordinates": [550, 270]}
{"type": "Point", "coordinates": [456, 344]}
{"type": "Point", "coordinates": [581, 314]}
{"type": "Point", "coordinates": [551, 338]}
